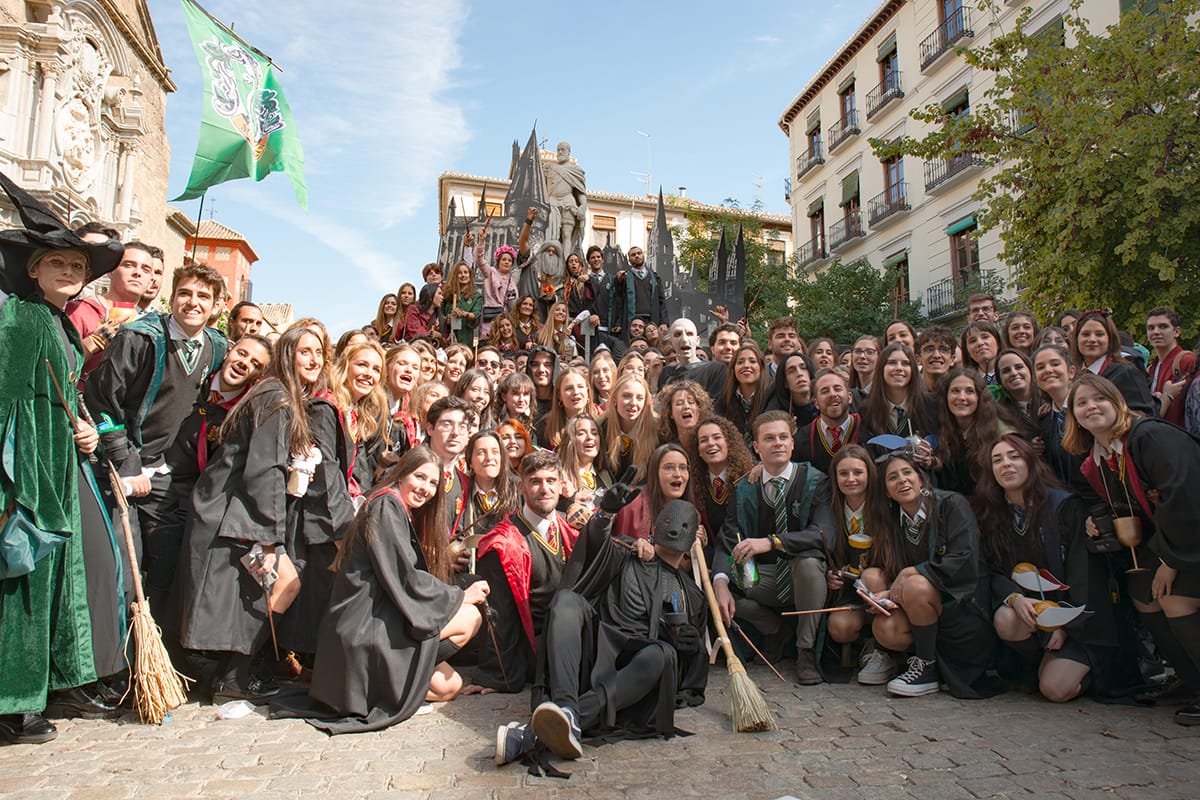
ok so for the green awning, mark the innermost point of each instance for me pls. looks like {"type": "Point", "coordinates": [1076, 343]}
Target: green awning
{"type": "Point", "coordinates": [849, 189]}
{"type": "Point", "coordinates": [955, 100]}
{"type": "Point", "coordinates": [816, 206]}
{"type": "Point", "coordinates": [894, 260]}
{"type": "Point", "coordinates": [846, 85]}
{"type": "Point", "coordinates": [887, 48]}
{"type": "Point", "coordinates": [966, 223]}
{"type": "Point", "coordinates": [814, 124]}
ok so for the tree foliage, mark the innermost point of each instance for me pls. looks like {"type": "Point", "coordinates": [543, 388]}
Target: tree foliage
{"type": "Point", "coordinates": [1096, 147]}
{"type": "Point", "coordinates": [847, 300]}
{"type": "Point", "coordinates": [767, 285]}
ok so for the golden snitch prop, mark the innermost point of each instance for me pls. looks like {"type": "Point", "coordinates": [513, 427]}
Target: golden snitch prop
{"type": "Point", "coordinates": [1049, 615]}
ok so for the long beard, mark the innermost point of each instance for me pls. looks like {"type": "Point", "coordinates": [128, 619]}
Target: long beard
{"type": "Point", "coordinates": [551, 265]}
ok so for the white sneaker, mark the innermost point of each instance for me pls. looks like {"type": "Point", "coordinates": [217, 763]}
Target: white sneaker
{"type": "Point", "coordinates": [921, 678]}
{"type": "Point", "coordinates": [876, 667]}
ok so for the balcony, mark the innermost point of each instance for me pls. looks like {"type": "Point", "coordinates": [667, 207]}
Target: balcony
{"type": "Point", "coordinates": [843, 129]}
{"type": "Point", "coordinates": [847, 228]}
{"type": "Point", "coordinates": [948, 297]}
{"type": "Point", "coordinates": [883, 94]}
{"type": "Point", "coordinates": [941, 172]}
{"type": "Point", "coordinates": [957, 26]}
{"type": "Point", "coordinates": [806, 162]}
{"type": "Point", "coordinates": [892, 200]}
{"type": "Point", "coordinates": [810, 253]}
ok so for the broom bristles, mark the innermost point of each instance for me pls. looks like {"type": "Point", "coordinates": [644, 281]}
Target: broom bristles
{"type": "Point", "coordinates": [157, 687]}
{"type": "Point", "coordinates": [748, 707]}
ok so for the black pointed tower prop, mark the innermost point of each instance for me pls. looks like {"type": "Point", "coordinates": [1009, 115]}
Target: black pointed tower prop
{"type": "Point", "coordinates": [527, 187]}
{"type": "Point", "coordinates": [716, 279]}
{"type": "Point", "coordinates": [660, 259]}
{"type": "Point", "coordinates": [735, 279]}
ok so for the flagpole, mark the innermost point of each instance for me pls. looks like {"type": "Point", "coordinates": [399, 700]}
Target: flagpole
{"type": "Point", "coordinates": [199, 218]}
{"type": "Point", "coordinates": [229, 30]}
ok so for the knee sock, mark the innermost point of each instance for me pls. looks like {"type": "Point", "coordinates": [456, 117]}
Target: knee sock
{"type": "Point", "coordinates": [925, 641]}
{"type": "Point", "coordinates": [1187, 633]}
{"type": "Point", "coordinates": [1167, 640]}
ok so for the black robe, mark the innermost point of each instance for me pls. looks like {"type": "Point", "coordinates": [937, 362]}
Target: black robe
{"type": "Point", "coordinates": [627, 599]}
{"type": "Point", "coordinates": [810, 444]}
{"type": "Point", "coordinates": [378, 644]}
{"type": "Point", "coordinates": [316, 522]}
{"type": "Point", "coordinates": [948, 555]}
{"type": "Point", "coordinates": [239, 500]}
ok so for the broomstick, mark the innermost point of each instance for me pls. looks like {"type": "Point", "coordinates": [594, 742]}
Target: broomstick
{"type": "Point", "coordinates": [748, 706]}
{"type": "Point", "coordinates": [157, 686]}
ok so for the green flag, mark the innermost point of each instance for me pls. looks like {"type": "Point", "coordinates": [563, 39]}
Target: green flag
{"type": "Point", "coordinates": [247, 128]}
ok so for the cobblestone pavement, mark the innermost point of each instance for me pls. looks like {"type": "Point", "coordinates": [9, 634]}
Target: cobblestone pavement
{"type": "Point", "coordinates": [834, 741]}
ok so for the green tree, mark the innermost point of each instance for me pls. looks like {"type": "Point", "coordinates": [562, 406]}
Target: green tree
{"type": "Point", "coordinates": [767, 285]}
{"type": "Point", "coordinates": [847, 300]}
{"type": "Point", "coordinates": [1095, 148]}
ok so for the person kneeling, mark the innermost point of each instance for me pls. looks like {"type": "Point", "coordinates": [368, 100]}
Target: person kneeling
{"type": "Point", "coordinates": [394, 617]}
{"type": "Point", "coordinates": [624, 646]}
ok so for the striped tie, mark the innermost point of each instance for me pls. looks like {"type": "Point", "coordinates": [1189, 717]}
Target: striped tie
{"type": "Point", "coordinates": [783, 567]}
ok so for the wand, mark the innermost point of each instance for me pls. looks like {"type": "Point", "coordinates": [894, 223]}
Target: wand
{"type": "Point", "coordinates": [490, 616]}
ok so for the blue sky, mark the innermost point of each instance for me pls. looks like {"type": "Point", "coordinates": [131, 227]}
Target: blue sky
{"type": "Point", "coordinates": [388, 95]}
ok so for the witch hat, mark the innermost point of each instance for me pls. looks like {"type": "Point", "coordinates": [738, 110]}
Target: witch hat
{"type": "Point", "coordinates": [43, 230]}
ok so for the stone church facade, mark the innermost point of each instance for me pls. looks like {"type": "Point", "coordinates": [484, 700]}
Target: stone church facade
{"type": "Point", "coordinates": [83, 89]}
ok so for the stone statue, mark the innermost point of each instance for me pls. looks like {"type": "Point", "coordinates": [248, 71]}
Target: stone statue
{"type": "Point", "coordinates": [567, 192]}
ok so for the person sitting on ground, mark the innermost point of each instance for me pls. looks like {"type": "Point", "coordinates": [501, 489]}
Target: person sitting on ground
{"type": "Point", "coordinates": [624, 639]}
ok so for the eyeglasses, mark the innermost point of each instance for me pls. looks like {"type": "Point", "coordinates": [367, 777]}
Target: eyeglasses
{"type": "Point", "coordinates": [487, 364]}
{"type": "Point", "coordinates": [448, 425]}
{"type": "Point", "coordinates": [674, 469]}
{"type": "Point", "coordinates": [864, 351]}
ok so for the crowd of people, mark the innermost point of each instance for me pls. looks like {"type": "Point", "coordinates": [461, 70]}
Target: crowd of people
{"type": "Point", "coordinates": [487, 490]}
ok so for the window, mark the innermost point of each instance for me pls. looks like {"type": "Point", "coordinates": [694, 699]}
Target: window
{"type": "Point", "coordinates": [814, 144]}
{"type": "Point", "coordinates": [846, 101]}
{"type": "Point", "coordinates": [201, 252]}
{"type": "Point", "coordinates": [896, 268]}
{"type": "Point", "coordinates": [959, 105]}
{"type": "Point", "coordinates": [604, 229]}
{"type": "Point", "coordinates": [850, 200]}
{"type": "Point", "coordinates": [893, 179]}
{"type": "Point", "coordinates": [223, 254]}
{"type": "Point", "coordinates": [964, 256]}
{"type": "Point", "coordinates": [889, 71]}
{"type": "Point", "coordinates": [494, 209]}
{"type": "Point", "coordinates": [816, 225]}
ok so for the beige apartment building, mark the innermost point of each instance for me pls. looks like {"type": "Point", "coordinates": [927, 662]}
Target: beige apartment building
{"type": "Point", "coordinates": [915, 218]}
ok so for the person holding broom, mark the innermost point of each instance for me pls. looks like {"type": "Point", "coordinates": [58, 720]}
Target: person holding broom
{"type": "Point", "coordinates": [775, 541]}
{"type": "Point", "coordinates": [45, 628]}
{"type": "Point", "coordinates": [624, 638]}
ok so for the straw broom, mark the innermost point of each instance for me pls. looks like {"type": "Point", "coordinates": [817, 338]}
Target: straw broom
{"type": "Point", "coordinates": [157, 687]}
{"type": "Point", "coordinates": [748, 706]}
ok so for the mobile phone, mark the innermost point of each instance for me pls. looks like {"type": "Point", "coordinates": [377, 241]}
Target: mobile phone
{"type": "Point", "coordinates": [882, 604]}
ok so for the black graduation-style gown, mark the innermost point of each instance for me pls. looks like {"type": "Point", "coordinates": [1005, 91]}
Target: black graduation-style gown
{"type": "Point", "coordinates": [378, 644]}
{"type": "Point", "coordinates": [239, 499]}
{"type": "Point", "coordinates": [949, 556]}
{"type": "Point", "coordinates": [315, 523]}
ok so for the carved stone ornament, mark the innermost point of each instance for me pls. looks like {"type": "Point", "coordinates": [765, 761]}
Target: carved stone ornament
{"type": "Point", "coordinates": [80, 94]}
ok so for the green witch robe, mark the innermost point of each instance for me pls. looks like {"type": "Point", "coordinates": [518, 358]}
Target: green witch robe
{"type": "Point", "coordinates": [45, 629]}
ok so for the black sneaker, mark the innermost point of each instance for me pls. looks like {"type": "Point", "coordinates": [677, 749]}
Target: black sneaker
{"type": "Point", "coordinates": [921, 678]}
{"type": "Point", "coordinates": [26, 729]}
{"type": "Point", "coordinates": [1188, 715]}
{"type": "Point", "coordinates": [513, 741]}
{"type": "Point", "coordinates": [556, 726]}
{"type": "Point", "coordinates": [258, 692]}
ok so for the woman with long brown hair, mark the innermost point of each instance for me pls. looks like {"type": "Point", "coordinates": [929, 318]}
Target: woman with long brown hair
{"type": "Point", "coordinates": [747, 386]}
{"type": "Point", "coordinates": [240, 501]}
{"type": "Point", "coordinates": [385, 317]}
{"type": "Point", "coordinates": [970, 421]}
{"type": "Point", "coordinates": [395, 616]}
{"type": "Point", "coordinates": [462, 306]}
{"type": "Point", "coordinates": [925, 558]}
{"type": "Point", "coordinates": [667, 478]}
{"type": "Point", "coordinates": [684, 403]}
{"type": "Point", "coordinates": [1096, 346]}
{"type": "Point", "coordinates": [1027, 519]}
{"type": "Point", "coordinates": [1145, 471]}
{"type": "Point", "coordinates": [719, 459]}
{"type": "Point", "coordinates": [572, 396]}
